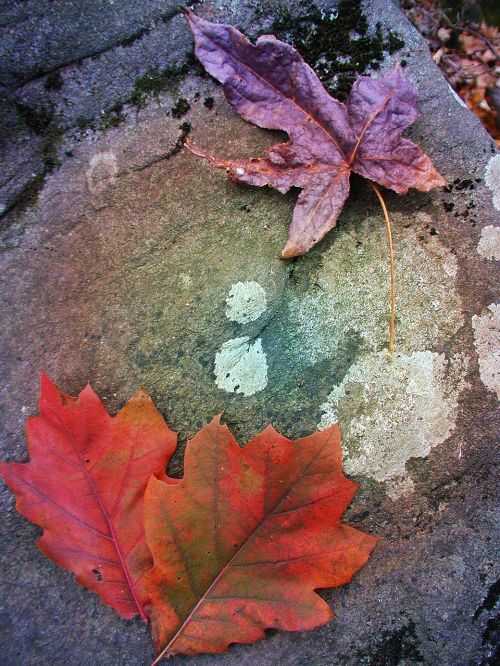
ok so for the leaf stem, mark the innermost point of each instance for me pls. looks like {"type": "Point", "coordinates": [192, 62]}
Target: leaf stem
{"type": "Point", "coordinates": [391, 258]}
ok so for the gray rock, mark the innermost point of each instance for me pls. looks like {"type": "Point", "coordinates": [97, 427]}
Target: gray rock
{"type": "Point", "coordinates": [119, 273]}
{"type": "Point", "coordinates": [41, 36]}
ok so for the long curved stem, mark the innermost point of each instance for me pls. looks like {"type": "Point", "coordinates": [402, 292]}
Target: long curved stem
{"type": "Point", "coordinates": [391, 257]}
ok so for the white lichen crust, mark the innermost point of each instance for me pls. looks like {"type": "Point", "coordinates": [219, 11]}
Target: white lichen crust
{"type": "Point", "coordinates": [489, 243]}
{"type": "Point", "coordinates": [487, 342]}
{"type": "Point", "coordinates": [393, 410]}
{"type": "Point", "coordinates": [241, 366]}
{"type": "Point", "coordinates": [492, 179]}
{"type": "Point", "coordinates": [246, 302]}
{"type": "Point", "coordinates": [352, 294]}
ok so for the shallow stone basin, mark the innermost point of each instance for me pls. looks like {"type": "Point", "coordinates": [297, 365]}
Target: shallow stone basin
{"type": "Point", "coordinates": [137, 264]}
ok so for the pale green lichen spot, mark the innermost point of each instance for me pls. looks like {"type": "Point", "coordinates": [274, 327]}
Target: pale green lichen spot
{"type": "Point", "coordinates": [241, 366]}
{"type": "Point", "coordinates": [246, 302]}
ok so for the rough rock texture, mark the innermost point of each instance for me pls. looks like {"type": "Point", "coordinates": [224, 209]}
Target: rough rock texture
{"type": "Point", "coordinates": [122, 256]}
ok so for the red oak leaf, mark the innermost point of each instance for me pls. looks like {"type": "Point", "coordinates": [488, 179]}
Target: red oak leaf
{"type": "Point", "coordinates": [84, 485]}
{"type": "Point", "coordinates": [271, 86]}
{"type": "Point", "coordinates": [244, 540]}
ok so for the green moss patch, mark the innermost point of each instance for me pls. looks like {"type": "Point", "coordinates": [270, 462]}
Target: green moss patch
{"type": "Point", "coordinates": [335, 42]}
{"type": "Point", "coordinates": [155, 82]}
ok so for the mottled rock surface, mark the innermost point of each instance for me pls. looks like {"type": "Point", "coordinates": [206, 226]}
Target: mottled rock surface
{"type": "Point", "coordinates": [126, 261]}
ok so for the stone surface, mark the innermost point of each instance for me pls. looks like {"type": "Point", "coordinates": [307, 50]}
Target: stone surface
{"type": "Point", "coordinates": [393, 411]}
{"type": "Point", "coordinates": [122, 264]}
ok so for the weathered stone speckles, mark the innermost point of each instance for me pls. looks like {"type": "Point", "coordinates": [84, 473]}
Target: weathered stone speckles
{"type": "Point", "coordinates": [489, 243]}
{"type": "Point", "coordinates": [487, 342]}
{"type": "Point", "coordinates": [241, 366]}
{"type": "Point", "coordinates": [394, 410]}
{"type": "Point", "coordinates": [102, 172]}
{"type": "Point", "coordinates": [399, 486]}
{"type": "Point", "coordinates": [492, 179]}
{"type": "Point", "coordinates": [246, 302]}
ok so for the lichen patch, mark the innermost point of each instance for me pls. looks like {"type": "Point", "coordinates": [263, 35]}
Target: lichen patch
{"type": "Point", "coordinates": [102, 172]}
{"type": "Point", "coordinates": [487, 342]}
{"type": "Point", "coordinates": [492, 179]}
{"type": "Point", "coordinates": [489, 243]}
{"type": "Point", "coordinates": [241, 366]}
{"type": "Point", "coordinates": [394, 410]}
{"type": "Point", "coordinates": [246, 302]}
{"type": "Point", "coordinates": [352, 291]}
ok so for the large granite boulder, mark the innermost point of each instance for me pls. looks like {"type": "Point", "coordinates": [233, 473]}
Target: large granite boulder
{"type": "Point", "coordinates": [126, 261]}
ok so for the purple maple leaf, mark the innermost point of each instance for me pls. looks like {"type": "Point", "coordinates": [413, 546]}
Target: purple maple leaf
{"type": "Point", "coordinates": [270, 85]}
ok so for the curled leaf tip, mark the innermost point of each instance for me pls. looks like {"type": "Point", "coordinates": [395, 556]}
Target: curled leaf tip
{"type": "Point", "coordinates": [290, 251]}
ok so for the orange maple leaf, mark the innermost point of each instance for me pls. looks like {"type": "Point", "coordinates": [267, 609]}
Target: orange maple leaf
{"type": "Point", "coordinates": [243, 542]}
{"type": "Point", "coordinates": [84, 485]}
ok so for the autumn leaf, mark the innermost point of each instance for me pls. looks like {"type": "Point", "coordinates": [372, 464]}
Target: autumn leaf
{"type": "Point", "coordinates": [243, 542]}
{"type": "Point", "coordinates": [271, 86]}
{"type": "Point", "coordinates": [237, 546]}
{"type": "Point", "coordinates": [84, 485]}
